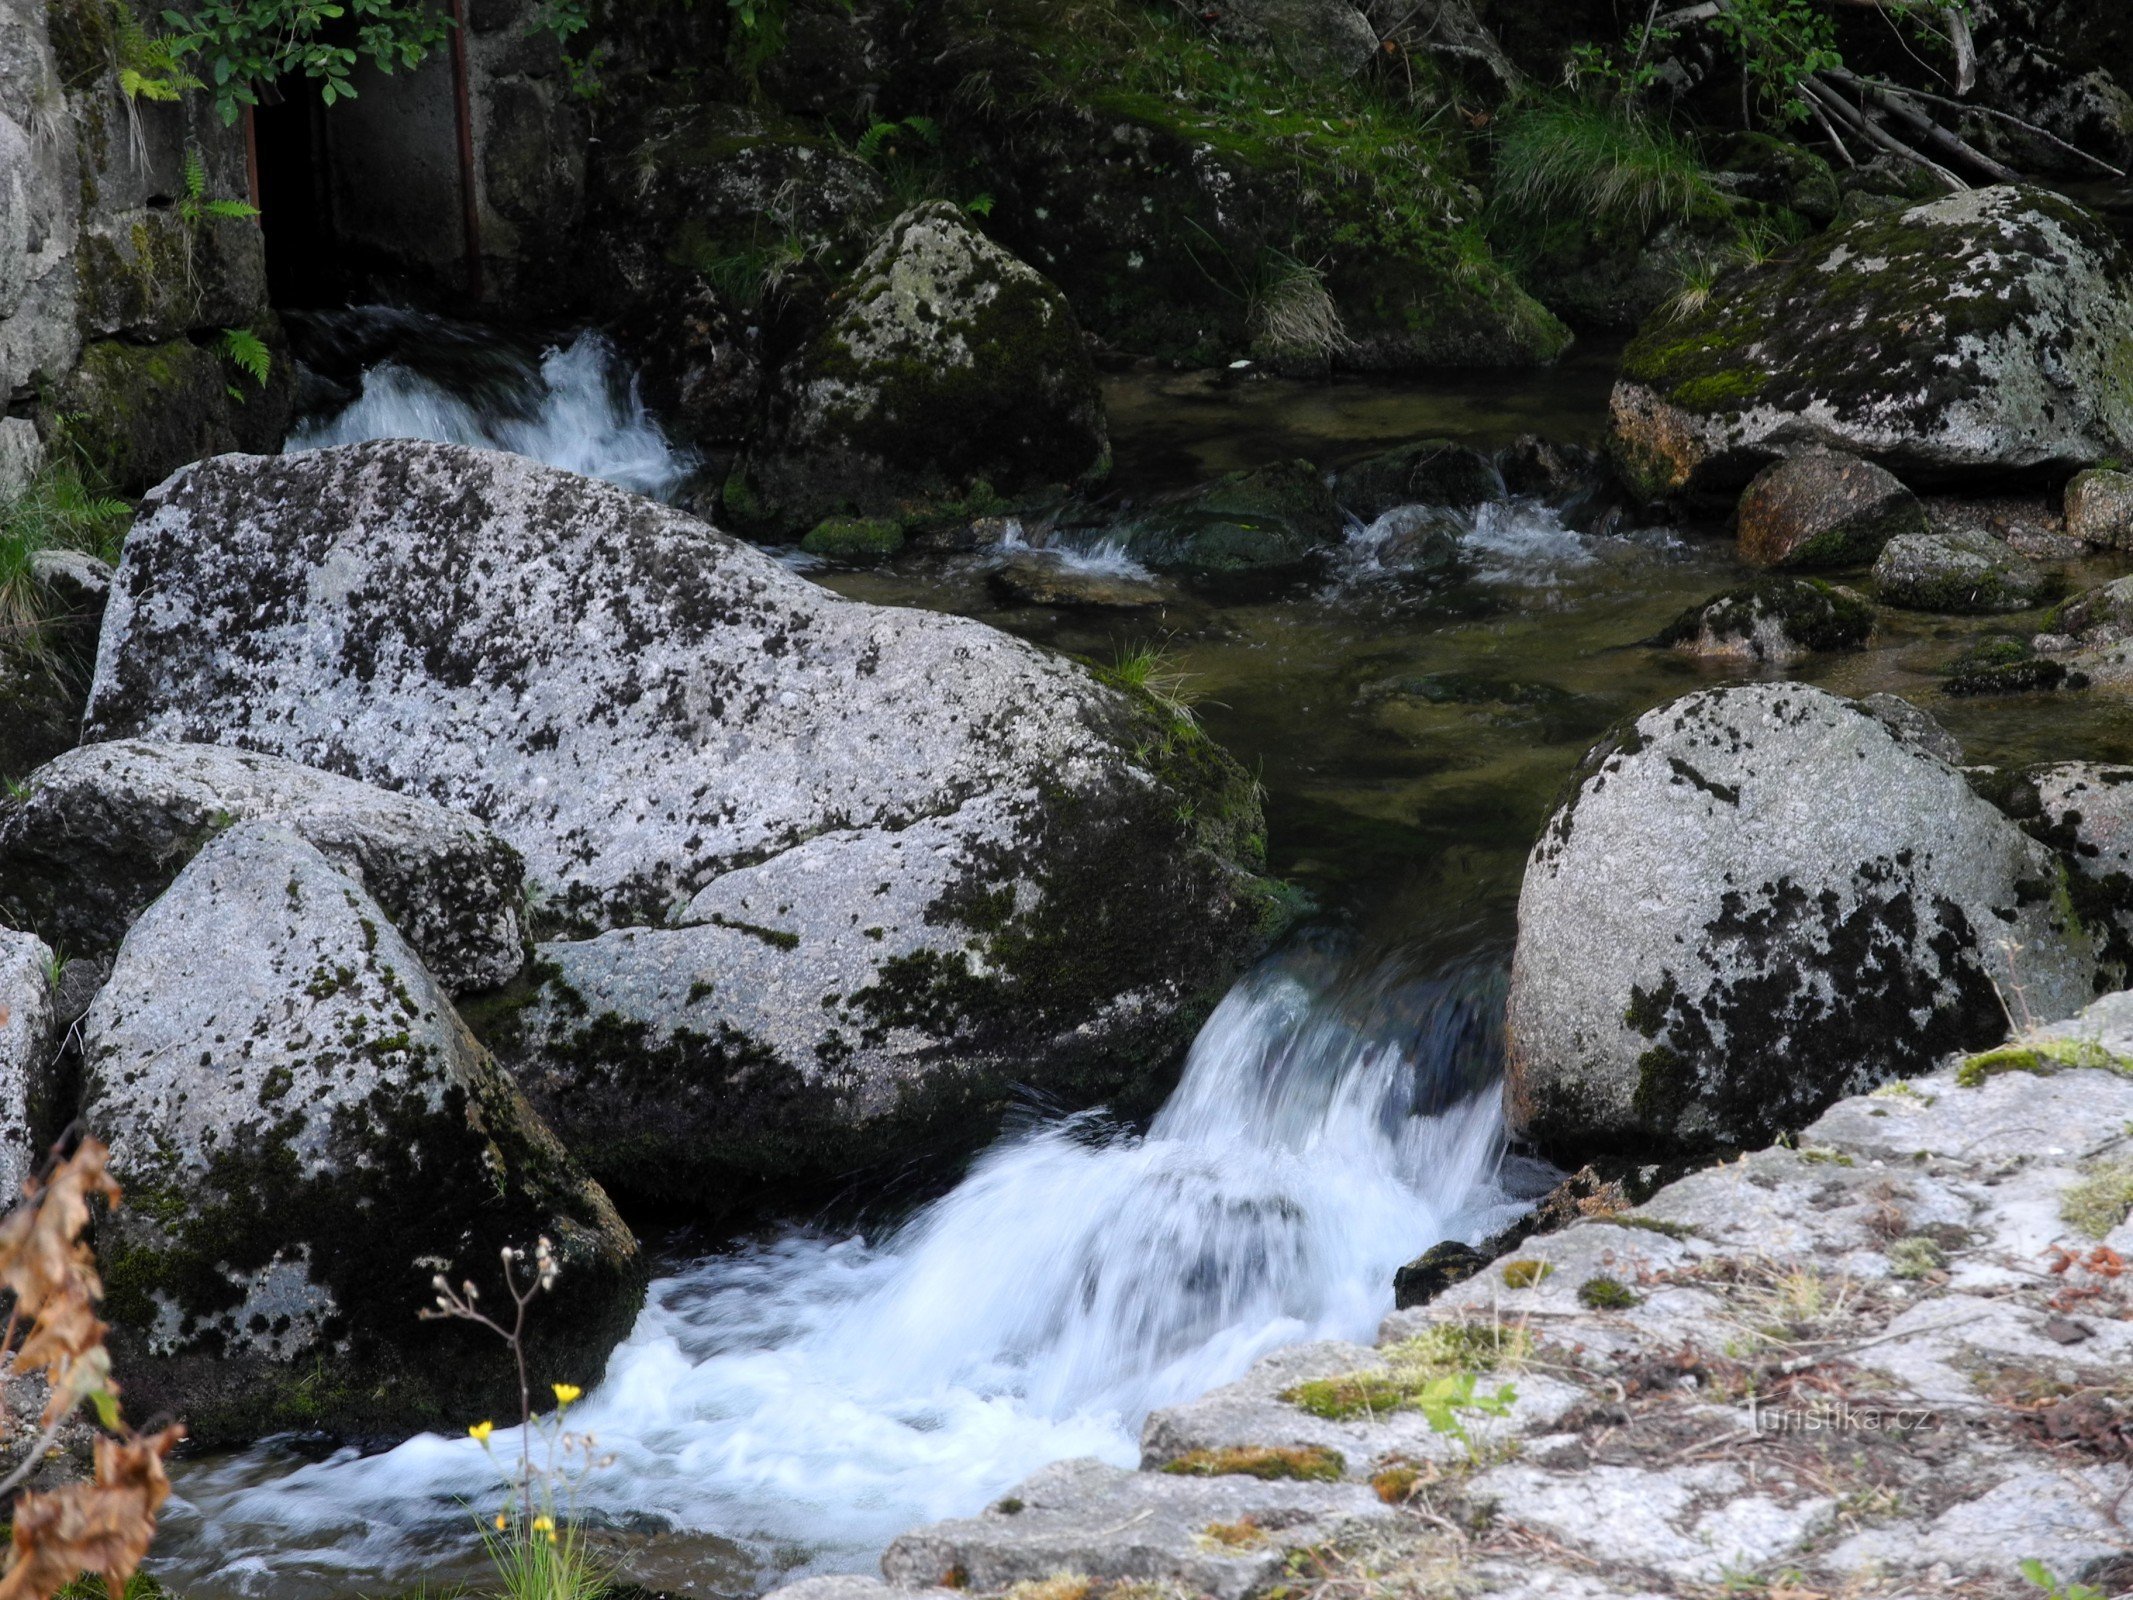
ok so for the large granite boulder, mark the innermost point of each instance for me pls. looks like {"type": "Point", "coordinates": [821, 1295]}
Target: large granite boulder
{"type": "Point", "coordinates": [27, 1045]}
{"type": "Point", "coordinates": [1979, 333]}
{"type": "Point", "coordinates": [682, 737]}
{"type": "Point", "coordinates": [952, 372]}
{"type": "Point", "coordinates": [1756, 900]}
{"type": "Point", "coordinates": [307, 1134]}
{"type": "Point", "coordinates": [100, 833]}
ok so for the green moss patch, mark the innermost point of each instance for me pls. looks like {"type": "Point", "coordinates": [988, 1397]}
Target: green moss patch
{"type": "Point", "coordinates": [1301, 1463]}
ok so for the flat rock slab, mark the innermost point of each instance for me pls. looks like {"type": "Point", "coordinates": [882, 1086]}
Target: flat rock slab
{"type": "Point", "coordinates": [1223, 1537]}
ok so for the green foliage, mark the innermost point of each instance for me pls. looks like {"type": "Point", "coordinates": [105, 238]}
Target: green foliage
{"type": "Point", "coordinates": [195, 207]}
{"type": "Point", "coordinates": [57, 511]}
{"type": "Point", "coordinates": [249, 353]}
{"type": "Point", "coordinates": [552, 1563]}
{"type": "Point", "coordinates": [243, 45]}
{"type": "Point", "coordinates": [150, 67]}
{"type": "Point", "coordinates": [1599, 159]}
{"type": "Point", "coordinates": [1778, 44]}
{"type": "Point", "coordinates": [1607, 1294]}
{"type": "Point", "coordinates": [2040, 1575]}
{"type": "Point", "coordinates": [1434, 1373]}
{"type": "Point", "coordinates": [2100, 1199]}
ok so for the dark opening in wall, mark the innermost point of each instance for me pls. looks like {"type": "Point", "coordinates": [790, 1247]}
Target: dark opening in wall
{"type": "Point", "coordinates": [294, 202]}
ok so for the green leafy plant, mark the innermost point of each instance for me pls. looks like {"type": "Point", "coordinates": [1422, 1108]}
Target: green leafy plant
{"type": "Point", "coordinates": [2040, 1575]}
{"type": "Point", "coordinates": [195, 206]}
{"type": "Point", "coordinates": [248, 353]}
{"type": "Point", "coordinates": [243, 45]}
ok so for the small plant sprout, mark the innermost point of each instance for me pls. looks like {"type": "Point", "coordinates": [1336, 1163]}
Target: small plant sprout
{"type": "Point", "coordinates": [535, 1541]}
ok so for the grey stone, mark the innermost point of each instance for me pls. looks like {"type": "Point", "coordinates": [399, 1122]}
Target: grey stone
{"type": "Point", "coordinates": [1913, 726]}
{"type": "Point", "coordinates": [1755, 901]}
{"type": "Point", "coordinates": [2099, 508]}
{"type": "Point", "coordinates": [1108, 1523]}
{"type": "Point", "coordinates": [1958, 569]}
{"type": "Point", "coordinates": [1324, 39]}
{"type": "Point", "coordinates": [27, 1045]}
{"type": "Point", "coordinates": [1032, 579]}
{"type": "Point", "coordinates": [1431, 472]}
{"type": "Point", "coordinates": [951, 371]}
{"type": "Point", "coordinates": [682, 737]}
{"type": "Point", "coordinates": [1972, 334]}
{"type": "Point", "coordinates": [1775, 621]}
{"type": "Point", "coordinates": [21, 455]}
{"type": "Point", "coordinates": [105, 828]}
{"type": "Point", "coordinates": [307, 1133]}
{"type": "Point", "coordinates": [1823, 508]}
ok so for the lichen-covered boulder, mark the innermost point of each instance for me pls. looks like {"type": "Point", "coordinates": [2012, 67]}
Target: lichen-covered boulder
{"type": "Point", "coordinates": [645, 708]}
{"type": "Point", "coordinates": [1430, 472]}
{"type": "Point", "coordinates": [100, 832]}
{"type": "Point", "coordinates": [1822, 508]}
{"type": "Point", "coordinates": [2084, 811]}
{"type": "Point", "coordinates": [1323, 39]}
{"type": "Point", "coordinates": [1757, 900]}
{"type": "Point", "coordinates": [1266, 521]}
{"type": "Point", "coordinates": [1774, 621]}
{"type": "Point", "coordinates": [2099, 508]}
{"type": "Point", "coordinates": [1960, 568]}
{"type": "Point", "coordinates": [953, 371]}
{"type": "Point", "coordinates": [1982, 332]}
{"type": "Point", "coordinates": [27, 1047]}
{"type": "Point", "coordinates": [307, 1134]}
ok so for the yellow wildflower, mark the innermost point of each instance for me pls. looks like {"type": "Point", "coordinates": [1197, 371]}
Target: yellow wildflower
{"type": "Point", "coordinates": [499, 1522]}
{"type": "Point", "coordinates": [482, 1430]}
{"type": "Point", "coordinates": [544, 1524]}
{"type": "Point", "coordinates": [566, 1392]}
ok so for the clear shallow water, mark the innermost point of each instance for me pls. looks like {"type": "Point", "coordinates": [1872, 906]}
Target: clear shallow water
{"type": "Point", "coordinates": [811, 1396]}
{"type": "Point", "coordinates": [799, 1399]}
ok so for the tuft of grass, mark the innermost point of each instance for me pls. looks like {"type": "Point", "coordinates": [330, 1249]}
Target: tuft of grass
{"type": "Point", "coordinates": [2100, 1199]}
{"type": "Point", "coordinates": [1059, 1586]}
{"type": "Point", "coordinates": [1916, 1257]}
{"type": "Point", "coordinates": [1243, 1534]}
{"type": "Point", "coordinates": [56, 511]}
{"type": "Point", "coordinates": [559, 1564]}
{"type": "Point", "coordinates": [1607, 161]}
{"type": "Point", "coordinates": [1293, 315]}
{"type": "Point", "coordinates": [1150, 669]}
{"type": "Point", "coordinates": [1298, 1463]}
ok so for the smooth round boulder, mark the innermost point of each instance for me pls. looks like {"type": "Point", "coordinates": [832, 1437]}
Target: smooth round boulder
{"type": "Point", "coordinates": [952, 372]}
{"type": "Point", "coordinates": [99, 833]}
{"type": "Point", "coordinates": [1774, 621]}
{"type": "Point", "coordinates": [307, 1134]}
{"type": "Point", "coordinates": [1823, 508]}
{"type": "Point", "coordinates": [1973, 335]}
{"type": "Point", "coordinates": [2099, 508]}
{"type": "Point", "coordinates": [1961, 570]}
{"type": "Point", "coordinates": [1757, 900]}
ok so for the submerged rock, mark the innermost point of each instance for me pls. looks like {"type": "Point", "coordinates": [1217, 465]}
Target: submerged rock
{"type": "Point", "coordinates": [27, 1046]}
{"type": "Point", "coordinates": [1775, 621]}
{"type": "Point", "coordinates": [672, 729]}
{"type": "Point", "coordinates": [1756, 900]}
{"type": "Point", "coordinates": [1268, 521]}
{"type": "Point", "coordinates": [1976, 334]}
{"type": "Point", "coordinates": [2099, 508]}
{"type": "Point", "coordinates": [2010, 666]}
{"type": "Point", "coordinates": [307, 1133]}
{"type": "Point", "coordinates": [1431, 472]}
{"type": "Point", "coordinates": [102, 831]}
{"type": "Point", "coordinates": [1546, 469]}
{"type": "Point", "coordinates": [1960, 569]}
{"type": "Point", "coordinates": [1033, 579]}
{"type": "Point", "coordinates": [854, 538]}
{"type": "Point", "coordinates": [1822, 508]}
{"type": "Point", "coordinates": [952, 372]}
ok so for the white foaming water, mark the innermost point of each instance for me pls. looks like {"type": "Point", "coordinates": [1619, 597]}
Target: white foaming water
{"type": "Point", "coordinates": [1519, 541]}
{"type": "Point", "coordinates": [1103, 555]}
{"type": "Point", "coordinates": [580, 411]}
{"type": "Point", "coordinates": [813, 1397]}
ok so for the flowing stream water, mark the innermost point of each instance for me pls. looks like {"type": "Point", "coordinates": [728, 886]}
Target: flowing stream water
{"type": "Point", "coordinates": [794, 1401]}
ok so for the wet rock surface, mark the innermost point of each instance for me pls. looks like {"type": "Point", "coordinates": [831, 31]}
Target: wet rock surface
{"type": "Point", "coordinates": [1775, 621]}
{"type": "Point", "coordinates": [1756, 900]}
{"type": "Point", "coordinates": [1822, 508]}
{"type": "Point", "coordinates": [1886, 1361]}
{"type": "Point", "coordinates": [1959, 568]}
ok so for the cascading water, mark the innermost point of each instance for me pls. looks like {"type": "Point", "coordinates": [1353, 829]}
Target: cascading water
{"type": "Point", "coordinates": [811, 1397]}
{"type": "Point", "coordinates": [575, 407]}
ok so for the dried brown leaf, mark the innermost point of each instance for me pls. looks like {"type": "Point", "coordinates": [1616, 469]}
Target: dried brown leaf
{"type": "Point", "coordinates": [104, 1526]}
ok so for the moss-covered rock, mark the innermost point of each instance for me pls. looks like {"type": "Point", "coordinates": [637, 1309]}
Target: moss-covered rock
{"type": "Point", "coordinates": [2010, 666]}
{"type": "Point", "coordinates": [1982, 332]}
{"type": "Point", "coordinates": [854, 538]}
{"type": "Point", "coordinates": [1774, 621]}
{"type": "Point", "coordinates": [1267, 521]}
{"type": "Point", "coordinates": [1823, 508]}
{"type": "Point", "coordinates": [307, 1134]}
{"type": "Point", "coordinates": [1429, 472]}
{"type": "Point", "coordinates": [140, 412]}
{"type": "Point", "coordinates": [1963, 570]}
{"type": "Point", "coordinates": [1777, 172]}
{"type": "Point", "coordinates": [952, 370]}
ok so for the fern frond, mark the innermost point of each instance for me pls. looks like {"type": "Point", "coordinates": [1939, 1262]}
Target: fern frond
{"type": "Point", "coordinates": [249, 353]}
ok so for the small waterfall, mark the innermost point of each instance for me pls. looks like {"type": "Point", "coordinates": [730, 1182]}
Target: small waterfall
{"type": "Point", "coordinates": [577, 406]}
{"type": "Point", "coordinates": [1102, 554]}
{"type": "Point", "coordinates": [812, 1396]}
